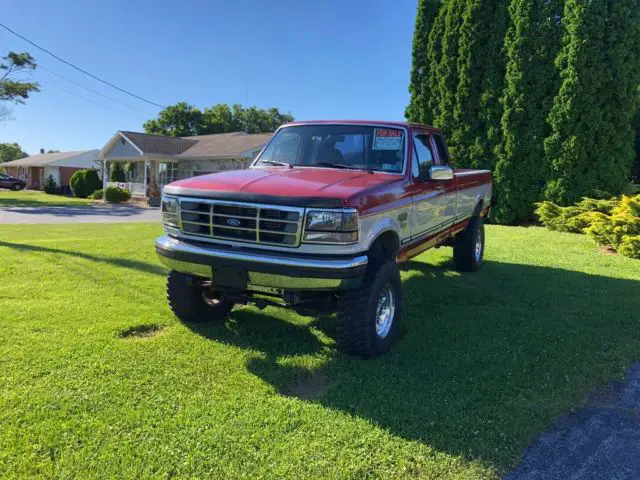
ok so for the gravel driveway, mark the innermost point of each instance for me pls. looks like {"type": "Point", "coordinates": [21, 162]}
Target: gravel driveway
{"type": "Point", "coordinates": [599, 441]}
{"type": "Point", "coordinates": [79, 214]}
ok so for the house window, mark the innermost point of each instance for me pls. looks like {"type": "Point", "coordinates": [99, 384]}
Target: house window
{"type": "Point", "coordinates": [23, 173]}
{"type": "Point", "coordinates": [167, 173]}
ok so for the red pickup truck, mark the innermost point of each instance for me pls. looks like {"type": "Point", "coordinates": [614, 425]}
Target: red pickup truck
{"type": "Point", "coordinates": [319, 223]}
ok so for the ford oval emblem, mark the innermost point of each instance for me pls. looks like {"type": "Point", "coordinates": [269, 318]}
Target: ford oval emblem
{"type": "Point", "coordinates": [234, 222]}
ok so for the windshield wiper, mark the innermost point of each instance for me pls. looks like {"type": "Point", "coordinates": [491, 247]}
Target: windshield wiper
{"type": "Point", "coordinates": [340, 165]}
{"type": "Point", "coordinates": [277, 164]}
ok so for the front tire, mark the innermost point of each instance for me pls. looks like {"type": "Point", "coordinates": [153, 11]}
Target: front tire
{"type": "Point", "coordinates": [468, 247]}
{"type": "Point", "coordinates": [191, 302]}
{"type": "Point", "coordinates": [368, 319]}
{"type": "Point", "coordinates": [16, 187]}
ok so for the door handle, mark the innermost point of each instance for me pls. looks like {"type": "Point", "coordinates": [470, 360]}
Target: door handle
{"type": "Point", "coordinates": [439, 188]}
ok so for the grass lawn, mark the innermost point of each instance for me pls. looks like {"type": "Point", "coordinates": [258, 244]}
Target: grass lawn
{"type": "Point", "coordinates": [33, 198]}
{"type": "Point", "coordinates": [100, 381]}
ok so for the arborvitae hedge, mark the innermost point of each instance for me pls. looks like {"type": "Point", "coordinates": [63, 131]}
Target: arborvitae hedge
{"type": "Point", "coordinates": [444, 93]}
{"type": "Point", "coordinates": [531, 44]}
{"type": "Point", "coordinates": [577, 118]}
{"type": "Point", "coordinates": [419, 85]}
{"type": "Point", "coordinates": [475, 127]}
{"type": "Point", "coordinates": [434, 57]}
{"type": "Point", "coordinates": [567, 90]}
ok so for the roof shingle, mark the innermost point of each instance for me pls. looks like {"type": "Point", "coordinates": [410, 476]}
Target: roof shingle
{"type": "Point", "coordinates": [44, 159]}
{"type": "Point", "coordinates": [214, 145]}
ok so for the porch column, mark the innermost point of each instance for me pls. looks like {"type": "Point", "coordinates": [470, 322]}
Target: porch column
{"type": "Point", "coordinates": [104, 179]}
{"type": "Point", "coordinates": [146, 162]}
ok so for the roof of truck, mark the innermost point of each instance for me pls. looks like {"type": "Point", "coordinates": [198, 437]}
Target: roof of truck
{"type": "Point", "coordinates": [367, 122]}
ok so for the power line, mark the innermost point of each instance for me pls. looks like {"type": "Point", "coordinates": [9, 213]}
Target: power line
{"type": "Point", "coordinates": [80, 69]}
{"type": "Point", "coordinates": [93, 91]}
{"type": "Point", "coordinates": [85, 87]}
{"type": "Point", "coordinates": [73, 94]}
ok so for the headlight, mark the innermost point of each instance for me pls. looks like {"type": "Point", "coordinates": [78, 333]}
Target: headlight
{"type": "Point", "coordinates": [170, 211]}
{"type": "Point", "coordinates": [330, 226]}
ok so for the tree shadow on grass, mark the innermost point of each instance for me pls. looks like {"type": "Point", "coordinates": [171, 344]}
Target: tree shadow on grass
{"type": "Point", "coordinates": [487, 360]}
{"type": "Point", "coordinates": [15, 202]}
{"type": "Point", "coordinates": [119, 262]}
{"type": "Point", "coordinates": [86, 211]}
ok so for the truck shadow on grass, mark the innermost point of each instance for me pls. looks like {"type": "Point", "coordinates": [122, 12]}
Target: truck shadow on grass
{"type": "Point", "coordinates": [486, 360]}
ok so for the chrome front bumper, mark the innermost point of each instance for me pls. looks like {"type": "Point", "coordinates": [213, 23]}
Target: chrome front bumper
{"type": "Point", "coordinates": [266, 271]}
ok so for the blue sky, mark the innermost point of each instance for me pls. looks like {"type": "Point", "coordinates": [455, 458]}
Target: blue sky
{"type": "Point", "coordinates": [326, 59]}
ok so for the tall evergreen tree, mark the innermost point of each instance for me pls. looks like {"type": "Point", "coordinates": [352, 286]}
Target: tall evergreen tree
{"type": "Point", "coordinates": [431, 81]}
{"type": "Point", "coordinates": [620, 100]}
{"type": "Point", "coordinates": [418, 86]}
{"type": "Point", "coordinates": [583, 155]}
{"type": "Point", "coordinates": [532, 42]}
{"type": "Point", "coordinates": [475, 125]}
{"type": "Point", "coordinates": [444, 92]}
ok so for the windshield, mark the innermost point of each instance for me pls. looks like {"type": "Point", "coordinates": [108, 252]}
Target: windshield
{"type": "Point", "coordinates": [337, 146]}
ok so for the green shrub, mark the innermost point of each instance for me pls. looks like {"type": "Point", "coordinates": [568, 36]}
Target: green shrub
{"type": "Point", "coordinates": [78, 184]}
{"type": "Point", "coordinates": [116, 173]}
{"type": "Point", "coordinates": [574, 218]}
{"type": "Point", "coordinates": [50, 186]}
{"type": "Point", "coordinates": [84, 182]}
{"type": "Point", "coordinates": [621, 229]}
{"type": "Point", "coordinates": [630, 246]}
{"type": "Point", "coordinates": [93, 181]}
{"type": "Point", "coordinates": [97, 195]}
{"type": "Point", "coordinates": [116, 195]}
{"type": "Point", "coordinates": [597, 205]}
{"type": "Point", "coordinates": [612, 222]}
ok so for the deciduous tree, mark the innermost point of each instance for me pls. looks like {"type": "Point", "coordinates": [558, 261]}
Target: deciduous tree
{"type": "Point", "coordinates": [11, 151]}
{"type": "Point", "coordinates": [182, 120]}
{"type": "Point", "coordinates": [179, 120]}
{"type": "Point", "coordinates": [12, 87]}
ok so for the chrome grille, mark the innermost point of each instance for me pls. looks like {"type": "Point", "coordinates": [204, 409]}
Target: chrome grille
{"type": "Point", "coordinates": [242, 222]}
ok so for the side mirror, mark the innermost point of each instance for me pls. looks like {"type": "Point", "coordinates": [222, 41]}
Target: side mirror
{"type": "Point", "coordinates": [440, 172]}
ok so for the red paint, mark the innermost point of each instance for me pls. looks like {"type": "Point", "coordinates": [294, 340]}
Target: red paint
{"type": "Point", "coordinates": [292, 182]}
{"type": "Point", "coordinates": [368, 192]}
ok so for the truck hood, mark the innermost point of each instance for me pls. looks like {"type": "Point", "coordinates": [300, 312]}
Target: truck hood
{"type": "Point", "coordinates": [307, 186]}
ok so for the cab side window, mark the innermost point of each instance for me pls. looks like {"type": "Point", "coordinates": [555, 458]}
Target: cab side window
{"type": "Point", "coordinates": [423, 157]}
{"type": "Point", "coordinates": [442, 150]}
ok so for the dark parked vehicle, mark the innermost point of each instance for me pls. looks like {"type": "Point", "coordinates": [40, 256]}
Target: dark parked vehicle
{"type": "Point", "coordinates": [7, 181]}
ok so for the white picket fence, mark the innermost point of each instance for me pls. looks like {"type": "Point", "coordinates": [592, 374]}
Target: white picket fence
{"type": "Point", "coordinates": [136, 189]}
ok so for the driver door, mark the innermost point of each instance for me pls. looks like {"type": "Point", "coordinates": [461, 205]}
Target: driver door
{"type": "Point", "coordinates": [432, 212]}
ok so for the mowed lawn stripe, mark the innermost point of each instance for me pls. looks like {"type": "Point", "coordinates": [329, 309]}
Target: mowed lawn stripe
{"type": "Point", "coordinates": [99, 380]}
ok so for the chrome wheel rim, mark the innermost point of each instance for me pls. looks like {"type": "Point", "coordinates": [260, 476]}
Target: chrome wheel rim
{"type": "Point", "coordinates": [478, 247]}
{"type": "Point", "coordinates": [385, 311]}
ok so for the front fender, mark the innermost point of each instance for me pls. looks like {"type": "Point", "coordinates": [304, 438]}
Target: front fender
{"type": "Point", "coordinates": [372, 228]}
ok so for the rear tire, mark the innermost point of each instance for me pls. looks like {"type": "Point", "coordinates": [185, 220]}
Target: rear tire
{"type": "Point", "coordinates": [368, 319]}
{"type": "Point", "coordinates": [193, 303]}
{"type": "Point", "coordinates": [468, 247]}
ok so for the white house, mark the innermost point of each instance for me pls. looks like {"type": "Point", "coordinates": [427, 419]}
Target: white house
{"type": "Point", "coordinates": [156, 160]}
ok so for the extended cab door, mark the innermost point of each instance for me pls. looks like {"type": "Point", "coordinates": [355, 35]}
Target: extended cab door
{"type": "Point", "coordinates": [433, 200]}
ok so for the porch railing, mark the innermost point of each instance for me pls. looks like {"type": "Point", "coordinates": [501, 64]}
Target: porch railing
{"type": "Point", "coordinates": [134, 188]}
